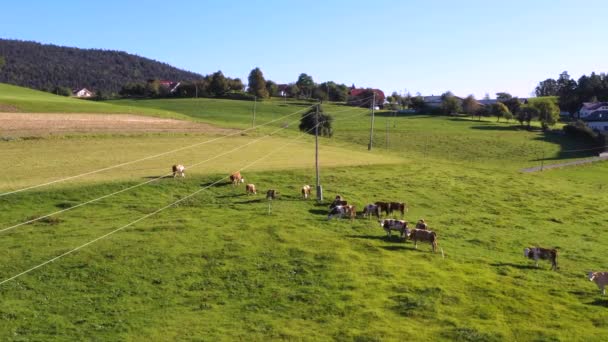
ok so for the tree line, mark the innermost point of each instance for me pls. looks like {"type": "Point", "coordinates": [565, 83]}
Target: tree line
{"type": "Point", "coordinates": [571, 93]}
{"type": "Point", "coordinates": [56, 68]}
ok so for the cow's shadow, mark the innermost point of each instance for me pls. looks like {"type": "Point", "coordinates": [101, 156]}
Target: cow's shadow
{"type": "Point", "coordinates": [259, 200]}
{"type": "Point", "coordinates": [318, 212]}
{"type": "Point", "coordinates": [600, 302]}
{"type": "Point", "coordinates": [396, 248]}
{"type": "Point", "coordinates": [518, 266]}
{"type": "Point", "coordinates": [160, 177]}
{"type": "Point", "coordinates": [392, 238]}
{"type": "Point", "coordinates": [214, 184]}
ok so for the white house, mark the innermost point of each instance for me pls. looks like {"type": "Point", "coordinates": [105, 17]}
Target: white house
{"type": "Point", "coordinates": [590, 108]}
{"type": "Point", "coordinates": [83, 92]}
{"type": "Point", "coordinates": [597, 121]}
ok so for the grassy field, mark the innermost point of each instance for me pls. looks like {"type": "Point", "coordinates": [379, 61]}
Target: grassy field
{"type": "Point", "coordinates": [219, 266]}
{"type": "Point", "coordinates": [19, 99]}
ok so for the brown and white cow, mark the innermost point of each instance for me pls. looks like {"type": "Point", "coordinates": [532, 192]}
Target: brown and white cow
{"type": "Point", "coordinates": [399, 225]}
{"type": "Point", "coordinates": [306, 191]}
{"type": "Point", "coordinates": [250, 189]}
{"type": "Point", "coordinates": [271, 194]}
{"type": "Point", "coordinates": [178, 169]}
{"type": "Point", "coordinates": [424, 235]}
{"type": "Point", "coordinates": [601, 279]}
{"type": "Point", "coordinates": [542, 253]}
{"type": "Point", "coordinates": [371, 209]}
{"type": "Point", "coordinates": [236, 178]}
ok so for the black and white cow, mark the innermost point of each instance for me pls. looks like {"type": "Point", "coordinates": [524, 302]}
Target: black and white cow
{"type": "Point", "coordinates": [340, 211]}
{"type": "Point", "coordinates": [372, 209]}
{"type": "Point", "coordinates": [542, 253]}
{"type": "Point", "coordinates": [399, 225]}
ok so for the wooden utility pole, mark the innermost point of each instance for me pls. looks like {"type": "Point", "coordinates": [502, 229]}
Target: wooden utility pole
{"type": "Point", "coordinates": [387, 133]}
{"type": "Point", "coordinates": [255, 101]}
{"type": "Point", "coordinates": [371, 129]}
{"type": "Point", "coordinates": [319, 189]}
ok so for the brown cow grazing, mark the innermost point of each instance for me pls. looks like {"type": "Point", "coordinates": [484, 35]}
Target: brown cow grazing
{"type": "Point", "coordinates": [396, 206]}
{"type": "Point", "coordinates": [542, 253]}
{"type": "Point", "coordinates": [306, 191]}
{"type": "Point", "coordinates": [399, 225]}
{"type": "Point", "coordinates": [250, 189]}
{"type": "Point", "coordinates": [384, 206]}
{"type": "Point", "coordinates": [178, 169]}
{"type": "Point", "coordinates": [236, 178]}
{"type": "Point", "coordinates": [601, 279]}
{"type": "Point", "coordinates": [371, 209]}
{"type": "Point", "coordinates": [424, 235]}
{"type": "Point", "coordinates": [421, 224]}
{"type": "Point", "coordinates": [271, 194]}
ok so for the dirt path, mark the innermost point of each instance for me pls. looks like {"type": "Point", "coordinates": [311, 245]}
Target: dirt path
{"type": "Point", "coordinates": [24, 124]}
{"type": "Point", "coordinates": [555, 166]}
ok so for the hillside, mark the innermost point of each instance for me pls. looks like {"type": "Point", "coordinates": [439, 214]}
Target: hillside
{"type": "Point", "coordinates": [45, 66]}
{"type": "Point", "coordinates": [19, 99]}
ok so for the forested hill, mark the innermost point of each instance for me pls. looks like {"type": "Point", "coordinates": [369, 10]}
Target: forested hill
{"type": "Point", "coordinates": [44, 67]}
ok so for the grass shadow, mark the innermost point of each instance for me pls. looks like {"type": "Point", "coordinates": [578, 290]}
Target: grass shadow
{"type": "Point", "coordinates": [214, 184]}
{"type": "Point", "coordinates": [318, 212]}
{"type": "Point", "coordinates": [511, 128]}
{"type": "Point", "coordinates": [157, 177]}
{"type": "Point", "coordinates": [396, 248]}
{"type": "Point", "coordinates": [259, 200]}
{"type": "Point", "coordinates": [518, 266]}
{"type": "Point", "coordinates": [599, 302]}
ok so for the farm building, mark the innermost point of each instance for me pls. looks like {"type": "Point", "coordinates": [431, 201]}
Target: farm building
{"type": "Point", "coordinates": [82, 92]}
{"type": "Point", "coordinates": [597, 121]}
{"type": "Point", "coordinates": [590, 108]}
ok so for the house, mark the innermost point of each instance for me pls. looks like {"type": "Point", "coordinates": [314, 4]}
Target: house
{"type": "Point", "coordinates": [436, 101]}
{"type": "Point", "coordinates": [597, 120]}
{"type": "Point", "coordinates": [82, 92]}
{"type": "Point", "coordinates": [589, 108]}
{"type": "Point", "coordinates": [355, 97]}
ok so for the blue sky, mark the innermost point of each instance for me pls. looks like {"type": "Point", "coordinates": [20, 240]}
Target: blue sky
{"type": "Point", "coordinates": [468, 47]}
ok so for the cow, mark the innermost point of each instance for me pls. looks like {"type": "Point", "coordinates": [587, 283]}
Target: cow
{"type": "Point", "coordinates": [271, 194]}
{"type": "Point", "coordinates": [421, 225]}
{"type": "Point", "coordinates": [399, 225]}
{"type": "Point", "coordinates": [250, 189]}
{"type": "Point", "coordinates": [424, 235]}
{"type": "Point", "coordinates": [371, 209]}
{"type": "Point", "coordinates": [397, 206]}
{"type": "Point", "coordinates": [542, 253]}
{"type": "Point", "coordinates": [236, 178]}
{"type": "Point", "coordinates": [178, 169]}
{"type": "Point", "coordinates": [601, 279]}
{"type": "Point", "coordinates": [306, 191]}
{"type": "Point", "coordinates": [340, 211]}
{"type": "Point", "coordinates": [338, 201]}
{"type": "Point", "coordinates": [383, 206]}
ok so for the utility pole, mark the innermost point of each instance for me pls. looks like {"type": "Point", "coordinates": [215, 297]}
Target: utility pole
{"type": "Point", "coordinates": [255, 101]}
{"type": "Point", "coordinates": [542, 160]}
{"type": "Point", "coordinates": [319, 189]}
{"type": "Point", "coordinates": [371, 129]}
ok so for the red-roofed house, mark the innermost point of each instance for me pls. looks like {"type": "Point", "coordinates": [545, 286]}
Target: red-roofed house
{"type": "Point", "coordinates": [362, 97]}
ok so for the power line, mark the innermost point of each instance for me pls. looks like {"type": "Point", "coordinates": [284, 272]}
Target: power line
{"type": "Point", "coordinates": [151, 214]}
{"type": "Point", "coordinates": [140, 184]}
{"type": "Point", "coordinates": [149, 157]}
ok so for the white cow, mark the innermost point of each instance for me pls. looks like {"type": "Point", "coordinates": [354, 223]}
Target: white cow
{"type": "Point", "coordinates": [179, 169]}
{"type": "Point", "coordinates": [601, 279]}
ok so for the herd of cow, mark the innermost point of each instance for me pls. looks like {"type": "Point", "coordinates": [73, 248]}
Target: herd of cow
{"type": "Point", "coordinates": [340, 208]}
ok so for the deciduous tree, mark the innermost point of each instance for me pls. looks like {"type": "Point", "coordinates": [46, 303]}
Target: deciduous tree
{"type": "Point", "coordinates": [309, 120]}
{"type": "Point", "coordinates": [470, 105]}
{"type": "Point", "coordinates": [257, 84]}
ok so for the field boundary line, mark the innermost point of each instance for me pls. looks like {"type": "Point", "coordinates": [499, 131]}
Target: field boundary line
{"type": "Point", "coordinates": [149, 157]}
{"type": "Point", "coordinates": [153, 213]}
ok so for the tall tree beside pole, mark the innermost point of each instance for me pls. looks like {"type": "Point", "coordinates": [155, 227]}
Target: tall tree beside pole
{"type": "Point", "coordinates": [371, 129]}
{"type": "Point", "coordinates": [319, 190]}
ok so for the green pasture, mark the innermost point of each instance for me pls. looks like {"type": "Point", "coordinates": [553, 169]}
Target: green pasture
{"type": "Point", "coordinates": [19, 99]}
{"type": "Point", "coordinates": [223, 265]}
